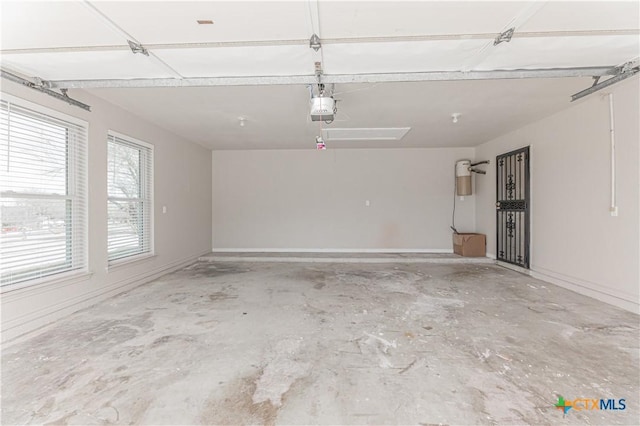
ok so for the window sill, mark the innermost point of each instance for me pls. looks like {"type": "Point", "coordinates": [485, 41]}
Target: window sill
{"type": "Point", "coordinates": [129, 261]}
{"type": "Point", "coordinates": [67, 278]}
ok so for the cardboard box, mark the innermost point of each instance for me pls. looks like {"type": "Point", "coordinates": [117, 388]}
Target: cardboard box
{"type": "Point", "coordinates": [470, 245]}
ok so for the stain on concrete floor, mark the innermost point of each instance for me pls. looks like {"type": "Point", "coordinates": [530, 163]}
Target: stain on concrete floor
{"type": "Point", "coordinates": [297, 343]}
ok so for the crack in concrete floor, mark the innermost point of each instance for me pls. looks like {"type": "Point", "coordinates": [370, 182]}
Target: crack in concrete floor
{"type": "Point", "coordinates": [296, 343]}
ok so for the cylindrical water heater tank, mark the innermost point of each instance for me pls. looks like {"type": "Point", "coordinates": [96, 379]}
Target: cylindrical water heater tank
{"type": "Point", "coordinates": [463, 177]}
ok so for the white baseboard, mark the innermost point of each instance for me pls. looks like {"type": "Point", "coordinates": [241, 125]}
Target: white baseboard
{"type": "Point", "coordinates": [624, 301]}
{"type": "Point", "coordinates": [23, 327]}
{"type": "Point", "coordinates": [360, 259]}
{"type": "Point", "coordinates": [514, 267]}
{"type": "Point", "coordinates": [333, 250]}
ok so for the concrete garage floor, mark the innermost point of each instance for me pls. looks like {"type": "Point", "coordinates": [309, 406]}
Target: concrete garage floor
{"type": "Point", "coordinates": [333, 343]}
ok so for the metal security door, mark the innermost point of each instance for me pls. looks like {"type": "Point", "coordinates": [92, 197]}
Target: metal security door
{"type": "Point", "coordinates": [512, 207]}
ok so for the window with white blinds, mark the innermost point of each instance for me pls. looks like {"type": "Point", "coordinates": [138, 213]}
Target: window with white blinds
{"type": "Point", "coordinates": [43, 193]}
{"type": "Point", "coordinates": [130, 197]}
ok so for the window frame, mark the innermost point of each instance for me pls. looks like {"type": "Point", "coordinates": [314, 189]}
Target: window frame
{"type": "Point", "coordinates": [77, 191]}
{"type": "Point", "coordinates": [134, 257]}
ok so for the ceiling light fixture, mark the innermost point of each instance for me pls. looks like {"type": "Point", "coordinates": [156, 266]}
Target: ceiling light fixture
{"type": "Point", "coordinates": [204, 22]}
{"type": "Point", "coordinates": [455, 116]}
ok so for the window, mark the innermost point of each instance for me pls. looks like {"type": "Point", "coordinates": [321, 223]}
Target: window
{"type": "Point", "coordinates": [42, 192]}
{"type": "Point", "coordinates": [130, 205]}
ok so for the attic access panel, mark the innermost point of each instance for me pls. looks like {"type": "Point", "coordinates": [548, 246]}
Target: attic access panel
{"type": "Point", "coordinates": [365, 134]}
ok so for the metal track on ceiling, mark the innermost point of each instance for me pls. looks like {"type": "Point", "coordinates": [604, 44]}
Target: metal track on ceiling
{"type": "Point", "coordinates": [326, 41]}
{"type": "Point", "coordinates": [332, 78]}
{"type": "Point", "coordinates": [39, 85]}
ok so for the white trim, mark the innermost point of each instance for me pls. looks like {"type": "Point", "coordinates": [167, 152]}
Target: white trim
{"type": "Point", "coordinates": [14, 194]}
{"type": "Point", "coordinates": [513, 267]}
{"type": "Point", "coordinates": [622, 300]}
{"type": "Point", "coordinates": [331, 250]}
{"type": "Point", "coordinates": [29, 286]}
{"type": "Point", "coordinates": [128, 138]}
{"type": "Point", "coordinates": [128, 199]}
{"type": "Point", "coordinates": [26, 326]}
{"type": "Point", "coordinates": [362, 259]}
{"type": "Point", "coordinates": [76, 163]}
{"type": "Point", "coordinates": [152, 200]}
{"type": "Point", "coordinates": [150, 196]}
{"type": "Point", "coordinates": [595, 291]}
{"type": "Point", "coordinates": [23, 103]}
{"type": "Point", "coordinates": [126, 261]}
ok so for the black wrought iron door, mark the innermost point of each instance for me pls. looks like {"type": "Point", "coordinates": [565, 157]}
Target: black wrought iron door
{"type": "Point", "coordinates": [512, 207]}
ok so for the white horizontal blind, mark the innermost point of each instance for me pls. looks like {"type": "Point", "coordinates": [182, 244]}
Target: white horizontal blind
{"type": "Point", "coordinates": [130, 204]}
{"type": "Point", "coordinates": [43, 194]}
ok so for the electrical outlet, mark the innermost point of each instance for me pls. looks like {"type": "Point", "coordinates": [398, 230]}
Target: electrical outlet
{"type": "Point", "coordinates": [367, 203]}
{"type": "Point", "coordinates": [164, 209]}
{"type": "Point", "coordinates": [613, 211]}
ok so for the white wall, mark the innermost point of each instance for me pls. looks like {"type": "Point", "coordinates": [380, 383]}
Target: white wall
{"type": "Point", "coordinates": [576, 243]}
{"type": "Point", "coordinates": [182, 183]}
{"type": "Point", "coordinates": [309, 200]}
{"type": "Point", "coordinates": [315, 200]}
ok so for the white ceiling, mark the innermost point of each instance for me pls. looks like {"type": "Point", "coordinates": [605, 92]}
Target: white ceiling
{"type": "Point", "coordinates": [277, 116]}
{"type": "Point", "coordinates": [76, 40]}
